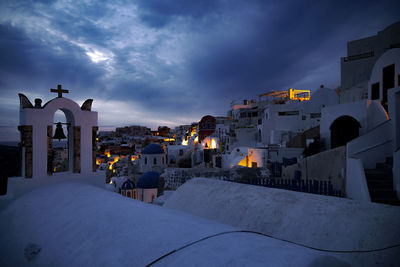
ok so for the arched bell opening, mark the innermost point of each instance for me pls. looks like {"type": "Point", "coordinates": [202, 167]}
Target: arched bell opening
{"type": "Point", "coordinates": [60, 152]}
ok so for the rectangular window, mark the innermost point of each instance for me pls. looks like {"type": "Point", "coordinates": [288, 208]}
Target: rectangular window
{"type": "Point", "coordinates": [315, 115]}
{"type": "Point", "coordinates": [375, 91]}
{"type": "Point", "coordinates": [288, 113]}
{"type": "Point", "coordinates": [254, 164]}
{"type": "Point", "coordinates": [388, 80]}
{"type": "Point", "coordinates": [218, 162]}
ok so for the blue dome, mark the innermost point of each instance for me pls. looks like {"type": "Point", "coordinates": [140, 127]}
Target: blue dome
{"type": "Point", "coordinates": [153, 149]}
{"type": "Point", "coordinates": [148, 180]}
{"type": "Point", "coordinates": [127, 185]}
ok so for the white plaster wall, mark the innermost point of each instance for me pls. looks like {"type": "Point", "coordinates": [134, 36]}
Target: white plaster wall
{"type": "Point", "coordinates": [150, 166]}
{"type": "Point", "coordinates": [356, 183]}
{"type": "Point", "coordinates": [41, 118]}
{"type": "Point", "coordinates": [321, 98]}
{"type": "Point", "coordinates": [287, 152]}
{"type": "Point", "coordinates": [146, 193]}
{"type": "Point", "coordinates": [314, 220]}
{"type": "Point", "coordinates": [279, 124]}
{"type": "Point", "coordinates": [358, 110]}
{"type": "Point", "coordinates": [273, 125]}
{"type": "Point", "coordinates": [245, 137]}
{"type": "Point", "coordinates": [392, 56]}
{"type": "Point", "coordinates": [257, 155]}
{"type": "Point", "coordinates": [374, 146]}
{"type": "Point", "coordinates": [173, 152]}
{"type": "Point", "coordinates": [316, 167]}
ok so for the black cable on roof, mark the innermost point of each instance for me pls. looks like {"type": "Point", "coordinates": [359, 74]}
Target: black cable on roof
{"type": "Point", "coordinates": [266, 235]}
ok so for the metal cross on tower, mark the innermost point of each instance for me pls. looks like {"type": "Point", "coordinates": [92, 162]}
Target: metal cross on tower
{"type": "Point", "coordinates": [59, 90]}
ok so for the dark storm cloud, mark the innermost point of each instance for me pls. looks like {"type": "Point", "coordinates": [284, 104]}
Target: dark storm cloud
{"type": "Point", "coordinates": [286, 43]}
{"type": "Point", "coordinates": [177, 60]}
{"type": "Point", "coordinates": [158, 13]}
{"type": "Point", "coordinates": [24, 58]}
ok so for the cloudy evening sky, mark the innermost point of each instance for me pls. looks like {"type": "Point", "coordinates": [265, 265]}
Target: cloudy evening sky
{"type": "Point", "coordinates": [160, 62]}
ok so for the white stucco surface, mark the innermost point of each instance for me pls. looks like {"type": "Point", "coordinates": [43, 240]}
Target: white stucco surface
{"type": "Point", "coordinates": [356, 183]}
{"type": "Point", "coordinates": [391, 56]}
{"type": "Point", "coordinates": [81, 225]}
{"type": "Point", "coordinates": [314, 220]}
{"type": "Point", "coordinates": [368, 113]}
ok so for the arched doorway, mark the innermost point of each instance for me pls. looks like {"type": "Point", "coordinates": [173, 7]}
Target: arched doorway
{"type": "Point", "coordinates": [343, 130]}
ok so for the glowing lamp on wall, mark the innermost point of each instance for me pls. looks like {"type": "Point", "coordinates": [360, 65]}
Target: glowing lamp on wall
{"type": "Point", "coordinates": [184, 142]}
{"type": "Point", "coordinates": [213, 144]}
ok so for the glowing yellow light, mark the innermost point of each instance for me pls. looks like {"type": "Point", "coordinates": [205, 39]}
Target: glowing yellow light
{"type": "Point", "coordinates": [112, 163]}
{"type": "Point", "coordinates": [169, 139]}
{"type": "Point", "coordinates": [243, 162]}
{"type": "Point", "coordinates": [196, 140]}
{"type": "Point", "coordinates": [213, 144]}
{"type": "Point", "coordinates": [300, 95]}
{"type": "Point", "coordinates": [107, 153]}
{"type": "Point", "coordinates": [184, 142]}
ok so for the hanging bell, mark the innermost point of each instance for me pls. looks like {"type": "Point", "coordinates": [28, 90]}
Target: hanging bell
{"type": "Point", "coordinates": [59, 134]}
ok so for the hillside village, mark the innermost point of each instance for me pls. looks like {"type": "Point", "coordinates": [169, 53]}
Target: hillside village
{"type": "Point", "coordinates": [283, 136]}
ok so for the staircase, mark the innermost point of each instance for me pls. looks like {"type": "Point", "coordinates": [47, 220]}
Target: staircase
{"type": "Point", "coordinates": [380, 183]}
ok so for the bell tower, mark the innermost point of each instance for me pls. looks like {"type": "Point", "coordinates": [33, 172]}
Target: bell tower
{"type": "Point", "coordinates": [36, 128]}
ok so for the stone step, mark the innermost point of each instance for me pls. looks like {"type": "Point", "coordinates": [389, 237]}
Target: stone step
{"type": "Point", "coordinates": [378, 176]}
{"type": "Point", "coordinates": [388, 201]}
{"type": "Point", "coordinates": [387, 184]}
{"type": "Point", "coordinates": [384, 166]}
{"type": "Point", "coordinates": [382, 193]}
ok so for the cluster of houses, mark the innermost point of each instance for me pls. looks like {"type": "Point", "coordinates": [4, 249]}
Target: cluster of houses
{"type": "Point", "coordinates": [355, 127]}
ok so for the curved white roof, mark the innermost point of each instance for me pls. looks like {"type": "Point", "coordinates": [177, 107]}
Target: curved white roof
{"type": "Point", "coordinates": [80, 225]}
